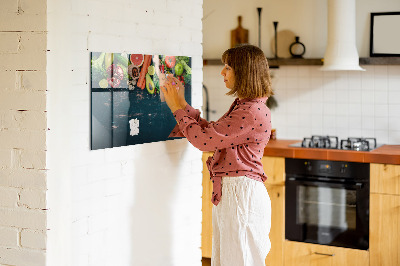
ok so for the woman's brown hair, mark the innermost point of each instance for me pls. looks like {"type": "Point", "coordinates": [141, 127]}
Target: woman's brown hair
{"type": "Point", "coordinates": [250, 66]}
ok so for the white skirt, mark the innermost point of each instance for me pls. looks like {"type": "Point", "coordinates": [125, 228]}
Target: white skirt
{"type": "Point", "coordinates": [241, 223]}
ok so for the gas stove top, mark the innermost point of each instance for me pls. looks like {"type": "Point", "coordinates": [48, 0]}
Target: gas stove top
{"type": "Point", "coordinates": [332, 142]}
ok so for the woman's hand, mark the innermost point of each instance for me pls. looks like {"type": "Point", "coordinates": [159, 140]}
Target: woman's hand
{"type": "Point", "coordinates": [172, 90]}
{"type": "Point", "coordinates": [181, 91]}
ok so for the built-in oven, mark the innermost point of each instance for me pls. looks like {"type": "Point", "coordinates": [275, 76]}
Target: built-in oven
{"type": "Point", "coordinates": [327, 202]}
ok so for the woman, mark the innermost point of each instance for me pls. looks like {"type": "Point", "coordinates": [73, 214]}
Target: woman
{"type": "Point", "coordinates": [242, 208]}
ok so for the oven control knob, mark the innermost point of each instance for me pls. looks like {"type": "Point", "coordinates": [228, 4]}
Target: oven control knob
{"type": "Point", "coordinates": [343, 168]}
{"type": "Point", "coordinates": [308, 166]}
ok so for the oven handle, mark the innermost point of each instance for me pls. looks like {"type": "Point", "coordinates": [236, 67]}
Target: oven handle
{"type": "Point", "coordinates": [357, 185]}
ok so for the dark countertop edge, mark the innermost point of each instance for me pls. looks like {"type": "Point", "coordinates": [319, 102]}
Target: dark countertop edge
{"type": "Point", "coordinates": [386, 154]}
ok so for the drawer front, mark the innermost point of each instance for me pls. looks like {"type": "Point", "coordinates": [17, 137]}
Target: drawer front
{"type": "Point", "coordinates": [297, 253]}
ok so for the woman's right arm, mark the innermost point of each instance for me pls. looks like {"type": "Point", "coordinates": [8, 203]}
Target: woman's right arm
{"type": "Point", "coordinates": [195, 114]}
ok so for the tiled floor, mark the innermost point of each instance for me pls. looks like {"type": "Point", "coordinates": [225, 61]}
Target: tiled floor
{"type": "Point", "coordinates": [206, 261]}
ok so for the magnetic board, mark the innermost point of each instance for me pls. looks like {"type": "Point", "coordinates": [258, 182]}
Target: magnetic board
{"type": "Point", "coordinates": [127, 105]}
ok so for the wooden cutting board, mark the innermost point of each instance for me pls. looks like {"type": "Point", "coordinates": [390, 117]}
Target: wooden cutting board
{"type": "Point", "coordinates": [239, 35]}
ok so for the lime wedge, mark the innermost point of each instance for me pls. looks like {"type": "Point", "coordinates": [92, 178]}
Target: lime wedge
{"type": "Point", "coordinates": [151, 70]}
{"type": "Point", "coordinates": [103, 83]}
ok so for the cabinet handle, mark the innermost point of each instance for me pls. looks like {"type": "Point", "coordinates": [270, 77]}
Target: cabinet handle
{"type": "Point", "coordinates": [324, 254]}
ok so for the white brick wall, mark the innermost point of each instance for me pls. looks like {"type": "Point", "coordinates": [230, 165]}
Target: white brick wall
{"type": "Point", "coordinates": [33, 239]}
{"type": "Point", "coordinates": [135, 205]}
{"type": "Point", "coordinates": [23, 132]}
{"type": "Point", "coordinates": [24, 256]}
{"type": "Point", "coordinates": [9, 197]}
{"type": "Point", "coordinates": [9, 237]}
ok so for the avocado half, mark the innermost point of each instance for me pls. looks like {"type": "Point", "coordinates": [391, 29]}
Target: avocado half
{"type": "Point", "coordinates": [150, 84]}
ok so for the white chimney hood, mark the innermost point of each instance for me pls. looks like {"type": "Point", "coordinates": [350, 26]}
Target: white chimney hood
{"type": "Point", "coordinates": [341, 51]}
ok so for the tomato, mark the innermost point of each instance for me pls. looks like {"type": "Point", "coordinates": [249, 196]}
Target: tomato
{"type": "Point", "coordinates": [170, 61]}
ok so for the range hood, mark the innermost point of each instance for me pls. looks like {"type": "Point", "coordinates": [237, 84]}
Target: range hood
{"type": "Point", "coordinates": [341, 51]}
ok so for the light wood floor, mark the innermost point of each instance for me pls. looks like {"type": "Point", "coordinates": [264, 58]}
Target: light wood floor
{"type": "Point", "coordinates": [206, 261]}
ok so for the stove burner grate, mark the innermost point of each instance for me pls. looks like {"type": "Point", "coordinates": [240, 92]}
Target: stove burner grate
{"type": "Point", "coordinates": [358, 144]}
{"type": "Point", "coordinates": [327, 142]}
{"type": "Point", "coordinates": [332, 142]}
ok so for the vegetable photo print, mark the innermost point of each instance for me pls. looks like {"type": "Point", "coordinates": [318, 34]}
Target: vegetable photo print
{"type": "Point", "coordinates": [127, 105]}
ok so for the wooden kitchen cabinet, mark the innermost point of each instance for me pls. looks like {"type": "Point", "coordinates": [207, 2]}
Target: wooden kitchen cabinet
{"type": "Point", "coordinates": [206, 225]}
{"type": "Point", "coordinates": [385, 215]}
{"type": "Point", "coordinates": [385, 178]}
{"type": "Point", "coordinates": [305, 254]}
{"type": "Point", "coordinates": [274, 168]}
{"type": "Point", "coordinates": [277, 233]}
{"type": "Point", "coordinates": [384, 236]}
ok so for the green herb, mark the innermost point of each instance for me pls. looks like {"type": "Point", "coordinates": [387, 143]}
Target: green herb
{"type": "Point", "coordinates": [186, 59]}
{"type": "Point", "coordinates": [98, 63]}
{"type": "Point", "coordinates": [186, 67]}
{"type": "Point", "coordinates": [156, 81]}
{"type": "Point", "coordinates": [188, 78]}
{"type": "Point", "coordinates": [99, 71]}
{"type": "Point", "coordinates": [121, 59]}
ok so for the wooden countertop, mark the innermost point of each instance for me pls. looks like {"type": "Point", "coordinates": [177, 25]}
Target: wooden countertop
{"type": "Point", "coordinates": [389, 154]}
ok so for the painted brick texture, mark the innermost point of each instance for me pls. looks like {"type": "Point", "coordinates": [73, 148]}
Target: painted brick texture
{"type": "Point", "coordinates": [23, 121]}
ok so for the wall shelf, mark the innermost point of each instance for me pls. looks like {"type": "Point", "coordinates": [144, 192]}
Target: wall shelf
{"type": "Point", "coordinates": [380, 61]}
{"type": "Point", "coordinates": [274, 63]}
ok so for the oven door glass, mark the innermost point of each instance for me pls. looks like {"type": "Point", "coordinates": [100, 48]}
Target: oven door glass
{"type": "Point", "coordinates": [327, 214]}
{"type": "Point", "coordinates": [324, 207]}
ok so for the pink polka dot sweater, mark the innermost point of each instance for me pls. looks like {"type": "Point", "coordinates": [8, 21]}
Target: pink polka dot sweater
{"type": "Point", "coordinates": [238, 139]}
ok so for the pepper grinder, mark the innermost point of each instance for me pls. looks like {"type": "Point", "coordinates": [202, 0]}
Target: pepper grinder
{"type": "Point", "coordinates": [276, 38]}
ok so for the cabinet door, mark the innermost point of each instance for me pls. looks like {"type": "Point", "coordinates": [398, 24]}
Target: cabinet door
{"type": "Point", "coordinates": [304, 254]}
{"type": "Point", "coordinates": [277, 233]}
{"type": "Point", "coordinates": [384, 230]}
{"type": "Point", "coordinates": [385, 178]}
{"type": "Point", "coordinates": [274, 168]}
{"type": "Point", "coordinates": [206, 232]}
